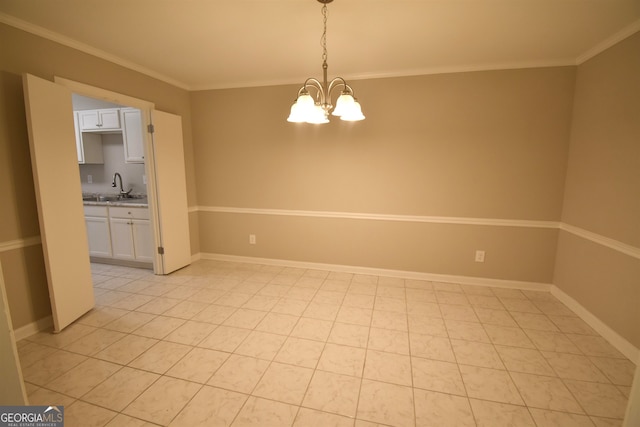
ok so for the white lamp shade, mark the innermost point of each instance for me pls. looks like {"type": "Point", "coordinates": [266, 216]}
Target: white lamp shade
{"type": "Point", "coordinates": [317, 116]}
{"type": "Point", "coordinates": [302, 109]}
{"type": "Point", "coordinates": [294, 115]}
{"type": "Point", "coordinates": [353, 114]}
{"type": "Point", "coordinates": [343, 104]}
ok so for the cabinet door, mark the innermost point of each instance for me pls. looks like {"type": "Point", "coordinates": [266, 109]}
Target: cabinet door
{"type": "Point", "coordinates": [98, 236]}
{"type": "Point", "coordinates": [109, 119]}
{"type": "Point", "coordinates": [142, 240]}
{"type": "Point", "coordinates": [89, 120]}
{"type": "Point", "coordinates": [132, 135]}
{"type": "Point", "coordinates": [121, 238]}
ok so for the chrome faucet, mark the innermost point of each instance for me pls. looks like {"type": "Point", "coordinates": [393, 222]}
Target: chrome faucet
{"type": "Point", "coordinates": [123, 194]}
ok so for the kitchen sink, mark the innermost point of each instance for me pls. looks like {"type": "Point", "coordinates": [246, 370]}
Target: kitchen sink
{"type": "Point", "coordinates": [113, 198]}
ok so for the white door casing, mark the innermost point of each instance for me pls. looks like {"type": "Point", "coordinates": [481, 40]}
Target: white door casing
{"type": "Point", "coordinates": [57, 185]}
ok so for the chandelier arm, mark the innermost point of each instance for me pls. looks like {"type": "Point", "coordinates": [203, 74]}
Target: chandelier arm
{"type": "Point", "coordinates": [315, 83]}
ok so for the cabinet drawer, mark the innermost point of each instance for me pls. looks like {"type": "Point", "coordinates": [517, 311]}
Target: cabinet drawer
{"type": "Point", "coordinates": [133, 213]}
{"type": "Point", "coordinates": [99, 211]}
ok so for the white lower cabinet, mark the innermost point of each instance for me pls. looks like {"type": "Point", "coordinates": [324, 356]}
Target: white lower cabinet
{"type": "Point", "coordinates": [120, 233]}
{"type": "Point", "coordinates": [97, 222]}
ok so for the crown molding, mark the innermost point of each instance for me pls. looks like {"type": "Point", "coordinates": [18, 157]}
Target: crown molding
{"type": "Point", "coordinates": [83, 47]}
{"type": "Point", "coordinates": [609, 42]}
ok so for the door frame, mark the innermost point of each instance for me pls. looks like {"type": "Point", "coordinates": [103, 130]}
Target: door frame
{"type": "Point", "coordinates": [146, 108]}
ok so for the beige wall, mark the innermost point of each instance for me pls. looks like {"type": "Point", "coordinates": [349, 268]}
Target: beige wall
{"type": "Point", "coordinates": [473, 145]}
{"type": "Point", "coordinates": [603, 189]}
{"type": "Point", "coordinates": [23, 52]}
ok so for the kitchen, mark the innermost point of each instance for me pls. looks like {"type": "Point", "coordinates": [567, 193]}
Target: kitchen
{"type": "Point", "coordinates": [110, 147]}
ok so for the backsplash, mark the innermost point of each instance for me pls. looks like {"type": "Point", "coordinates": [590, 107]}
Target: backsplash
{"type": "Point", "coordinates": [102, 174]}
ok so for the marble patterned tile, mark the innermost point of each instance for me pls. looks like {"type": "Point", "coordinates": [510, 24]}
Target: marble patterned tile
{"type": "Point", "coordinates": [538, 322]}
{"type": "Point", "coordinates": [552, 341]}
{"type": "Point", "coordinates": [80, 379]}
{"type": "Point", "coordinates": [262, 412]}
{"type": "Point", "coordinates": [45, 370]}
{"type": "Point", "coordinates": [439, 409]}
{"type": "Point", "coordinates": [485, 301]}
{"type": "Point", "coordinates": [384, 403]}
{"type": "Point", "coordinates": [342, 359]}
{"type": "Point", "coordinates": [546, 418]}
{"type": "Point", "coordinates": [572, 325]}
{"type": "Point", "coordinates": [121, 388]}
{"type": "Point", "coordinates": [261, 345]}
{"type": "Point", "coordinates": [186, 309]}
{"type": "Point", "coordinates": [427, 326]}
{"type": "Point", "coordinates": [261, 302]}
{"type": "Point", "coordinates": [524, 360]}
{"type": "Point", "coordinates": [545, 393]}
{"type": "Point", "coordinates": [359, 300]}
{"type": "Point", "coordinates": [94, 342]}
{"type": "Point", "coordinates": [388, 367]}
{"type": "Point", "coordinates": [190, 332]}
{"type": "Point", "coordinates": [225, 338]}
{"type": "Point", "coordinates": [333, 393]}
{"type": "Point", "coordinates": [163, 400]}
{"type": "Point", "coordinates": [126, 349]}
{"type": "Point", "coordinates": [431, 347]}
{"type": "Point", "coordinates": [284, 383]}
{"type": "Point", "coordinates": [160, 357]}
{"type": "Point", "coordinates": [391, 292]}
{"type": "Point", "coordinates": [277, 323]}
{"type": "Point", "coordinates": [600, 400]}
{"type": "Point", "coordinates": [322, 311]}
{"type": "Point", "coordinates": [313, 329]}
{"type": "Point", "coordinates": [495, 317]}
{"type": "Point", "coordinates": [492, 414]}
{"type": "Point", "coordinates": [354, 335]}
{"type": "Point", "coordinates": [126, 421]}
{"type": "Point", "coordinates": [100, 316]}
{"type": "Point", "coordinates": [423, 294]}
{"type": "Point", "coordinates": [454, 298]}
{"type": "Point", "coordinates": [388, 340]}
{"type": "Point", "coordinates": [464, 313]}
{"type": "Point", "coordinates": [519, 305]}
{"type": "Point", "coordinates": [300, 352]}
{"type": "Point", "coordinates": [594, 346]}
{"type": "Point", "coordinates": [245, 318]}
{"type": "Point", "coordinates": [70, 334]}
{"type": "Point", "coordinates": [210, 406]}
{"type": "Point", "coordinates": [607, 422]}
{"type": "Point", "coordinates": [32, 352]}
{"type": "Point", "coordinates": [239, 373]}
{"type": "Point", "coordinates": [355, 316]}
{"type": "Point", "coordinates": [504, 335]}
{"type": "Point", "coordinates": [198, 365]}
{"type": "Point", "coordinates": [130, 322]}
{"type": "Point", "coordinates": [159, 327]}
{"type": "Point", "coordinates": [291, 306]}
{"type": "Point", "coordinates": [311, 418]}
{"type": "Point", "coordinates": [423, 309]}
{"type": "Point", "coordinates": [476, 354]}
{"type": "Point", "coordinates": [87, 415]}
{"type": "Point", "coordinates": [215, 314]}
{"type": "Point", "coordinates": [490, 384]}
{"type": "Point", "coordinates": [469, 331]}
{"type": "Point", "coordinates": [384, 303]}
{"type": "Point", "coordinates": [574, 367]}
{"type": "Point", "coordinates": [438, 376]}
{"type": "Point", "coordinates": [45, 397]}
{"type": "Point", "coordinates": [158, 305]}
{"type": "Point", "coordinates": [389, 320]}
{"type": "Point", "coordinates": [618, 371]}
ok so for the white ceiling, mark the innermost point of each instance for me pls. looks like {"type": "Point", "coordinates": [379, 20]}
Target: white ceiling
{"type": "Point", "coordinates": [202, 44]}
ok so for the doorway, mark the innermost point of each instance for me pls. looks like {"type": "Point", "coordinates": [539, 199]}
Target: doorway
{"type": "Point", "coordinates": [60, 210]}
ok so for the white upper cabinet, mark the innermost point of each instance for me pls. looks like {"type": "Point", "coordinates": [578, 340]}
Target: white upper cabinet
{"type": "Point", "coordinates": [132, 135]}
{"type": "Point", "coordinates": [99, 120]}
{"type": "Point", "coordinates": [88, 145]}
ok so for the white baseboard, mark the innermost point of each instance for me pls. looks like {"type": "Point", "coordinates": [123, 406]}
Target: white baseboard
{"type": "Point", "coordinates": [196, 257]}
{"type": "Point", "coordinates": [447, 278]}
{"type": "Point", "coordinates": [33, 328]}
{"type": "Point", "coordinates": [615, 339]}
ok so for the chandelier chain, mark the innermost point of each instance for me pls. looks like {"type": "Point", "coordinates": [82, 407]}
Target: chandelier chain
{"type": "Point", "coordinates": [323, 39]}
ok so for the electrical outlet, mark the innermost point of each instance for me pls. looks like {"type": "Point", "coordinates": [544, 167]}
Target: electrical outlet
{"type": "Point", "coordinates": [479, 256]}
{"type": "Point", "coordinates": [89, 179]}
{"type": "Point", "coordinates": [252, 239]}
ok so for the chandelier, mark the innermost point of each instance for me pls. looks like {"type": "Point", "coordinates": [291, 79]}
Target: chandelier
{"type": "Point", "coordinates": [306, 109]}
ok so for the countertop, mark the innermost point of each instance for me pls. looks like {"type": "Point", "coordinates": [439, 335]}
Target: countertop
{"type": "Point", "coordinates": [134, 202]}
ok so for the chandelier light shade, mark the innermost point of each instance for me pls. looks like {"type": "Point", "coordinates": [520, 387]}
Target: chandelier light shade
{"type": "Point", "coordinates": [307, 109]}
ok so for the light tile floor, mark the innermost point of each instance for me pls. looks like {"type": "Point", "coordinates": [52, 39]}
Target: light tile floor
{"type": "Point", "coordinates": [221, 343]}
